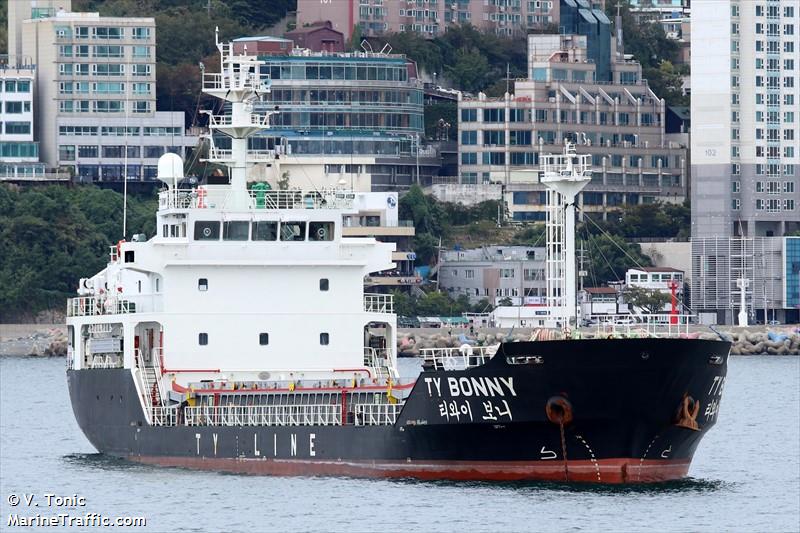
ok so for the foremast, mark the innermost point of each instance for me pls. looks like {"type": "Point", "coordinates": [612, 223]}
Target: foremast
{"type": "Point", "coordinates": [565, 175]}
{"type": "Point", "coordinates": [239, 83]}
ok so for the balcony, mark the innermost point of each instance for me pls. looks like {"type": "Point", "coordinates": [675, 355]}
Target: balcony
{"type": "Point", "coordinates": [378, 303]}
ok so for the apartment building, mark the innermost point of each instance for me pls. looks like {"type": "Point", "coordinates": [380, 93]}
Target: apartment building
{"type": "Point", "coordinates": [600, 102]}
{"type": "Point", "coordinates": [95, 114]}
{"type": "Point", "coordinates": [745, 113]}
{"type": "Point", "coordinates": [431, 17]}
{"type": "Point", "coordinates": [495, 273]}
{"type": "Point", "coordinates": [19, 153]}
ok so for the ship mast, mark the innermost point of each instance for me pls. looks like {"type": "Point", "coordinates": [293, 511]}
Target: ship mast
{"type": "Point", "coordinates": [564, 175]}
{"type": "Point", "coordinates": [239, 83]}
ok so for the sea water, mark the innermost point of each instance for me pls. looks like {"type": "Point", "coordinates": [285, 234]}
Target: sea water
{"type": "Point", "coordinates": [745, 477]}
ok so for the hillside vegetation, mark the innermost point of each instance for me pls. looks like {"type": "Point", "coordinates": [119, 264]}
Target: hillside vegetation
{"type": "Point", "coordinates": [51, 237]}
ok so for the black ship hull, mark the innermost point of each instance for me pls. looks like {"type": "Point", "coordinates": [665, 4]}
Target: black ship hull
{"type": "Point", "coordinates": [609, 411]}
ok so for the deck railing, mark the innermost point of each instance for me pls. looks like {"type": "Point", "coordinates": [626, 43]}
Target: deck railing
{"type": "Point", "coordinates": [378, 303]}
{"type": "Point", "coordinates": [366, 414]}
{"type": "Point", "coordinates": [458, 358]}
{"type": "Point", "coordinates": [201, 198]}
{"type": "Point", "coordinates": [644, 325]}
{"type": "Point", "coordinates": [92, 306]}
{"type": "Point", "coordinates": [263, 415]}
{"type": "Point", "coordinates": [376, 414]}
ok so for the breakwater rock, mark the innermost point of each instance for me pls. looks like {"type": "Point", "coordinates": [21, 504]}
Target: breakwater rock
{"type": "Point", "coordinates": [746, 341]}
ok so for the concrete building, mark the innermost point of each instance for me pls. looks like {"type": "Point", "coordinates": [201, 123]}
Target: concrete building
{"type": "Point", "coordinates": [598, 301]}
{"type": "Point", "coordinates": [657, 279]}
{"type": "Point", "coordinates": [431, 17]}
{"type": "Point", "coordinates": [745, 111]}
{"type": "Point", "coordinates": [495, 273]}
{"type": "Point", "coordinates": [355, 118]}
{"type": "Point", "coordinates": [19, 153]}
{"type": "Point", "coordinates": [613, 115]}
{"type": "Point", "coordinates": [772, 266]}
{"type": "Point", "coordinates": [95, 112]}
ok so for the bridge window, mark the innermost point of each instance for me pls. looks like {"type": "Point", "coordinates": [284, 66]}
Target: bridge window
{"type": "Point", "coordinates": [206, 230]}
{"type": "Point", "coordinates": [129, 255]}
{"type": "Point", "coordinates": [235, 231]}
{"type": "Point", "coordinates": [263, 339]}
{"type": "Point", "coordinates": [202, 284]}
{"type": "Point", "coordinates": [265, 231]}
{"type": "Point", "coordinates": [320, 231]}
{"type": "Point", "coordinates": [202, 338]}
{"type": "Point", "coordinates": [323, 284]}
{"type": "Point", "coordinates": [293, 231]}
{"type": "Point", "coordinates": [324, 339]}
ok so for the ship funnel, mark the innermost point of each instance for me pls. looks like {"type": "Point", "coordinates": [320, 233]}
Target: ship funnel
{"type": "Point", "coordinates": [170, 169]}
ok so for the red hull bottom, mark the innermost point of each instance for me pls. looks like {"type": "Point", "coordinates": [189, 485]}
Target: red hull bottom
{"type": "Point", "coordinates": [600, 471]}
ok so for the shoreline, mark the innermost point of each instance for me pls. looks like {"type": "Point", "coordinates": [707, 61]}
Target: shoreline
{"type": "Point", "coordinates": [49, 340]}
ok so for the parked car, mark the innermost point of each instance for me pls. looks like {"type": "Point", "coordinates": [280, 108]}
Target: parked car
{"type": "Point", "coordinates": [774, 323]}
{"type": "Point", "coordinates": [407, 322]}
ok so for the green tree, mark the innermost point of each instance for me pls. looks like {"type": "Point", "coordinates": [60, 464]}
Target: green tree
{"type": "Point", "coordinates": [469, 70]}
{"type": "Point", "coordinates": [52, 236]}
{"type": "Point", "coordinates": [610, 256]}
{"type": "Point", "coordinates": [648, 300]}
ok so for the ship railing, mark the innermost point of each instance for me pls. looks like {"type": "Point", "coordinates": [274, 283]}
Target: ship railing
{"type": "Point", "coordinates": [226, 121]}
{"type": "Point", "coordinates": [70, 358]}
{"type": "Point", "coordinates": [149, 379]}
{"type": "Point", "coordinates": [299, 199]}
{"type": "Point", "coordinates": [165, 416]}
{"type": "Point", "coordinates": [252, 156]}
{"type": "Point", "coordinates": [378, 303]}
{"type": "Point", "coordinates": [264, 415]}
{"type": "Point", "coordinates": [105, 361]}
{"type": "Point", "coordinates": [376, 414]}
{"type": "Point", "coordinates": [645, 325]}
{"type": "Point", "coordinates": [202, 198]}
{"type": "Point", "coordinates": [219, 81]}
{"type": "Point", "coordinates": [92, 306]}
{"type": "Point", "coordinates": [460, 358]}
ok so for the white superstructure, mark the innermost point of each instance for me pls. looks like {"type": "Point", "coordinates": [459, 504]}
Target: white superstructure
{"type": "Point", "coordinates": [239, 285]}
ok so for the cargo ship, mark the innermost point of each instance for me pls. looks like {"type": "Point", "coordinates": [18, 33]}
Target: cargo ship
{"type": "Point", "coordinates": [239, 338]}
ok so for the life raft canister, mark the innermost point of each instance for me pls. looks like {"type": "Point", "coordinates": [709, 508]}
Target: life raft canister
{"type": "Point", "coordinates": [201, 197]}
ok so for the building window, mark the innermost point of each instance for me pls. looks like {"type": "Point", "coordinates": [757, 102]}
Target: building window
{"type": "Point", "coordinates": [202, 339]}
{"type": "Point", "coordinates": [324, 339]}
{"type": "Point", "coordinates": [263, 339]}
{"type": "Point", "coordinates": [323, 284]}
{"type": "Point", "coordinates": [202, 284]}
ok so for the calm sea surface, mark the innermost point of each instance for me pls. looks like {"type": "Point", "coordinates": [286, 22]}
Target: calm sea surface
{"type": "Point", "coordinates": [745, 476]}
